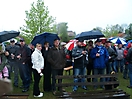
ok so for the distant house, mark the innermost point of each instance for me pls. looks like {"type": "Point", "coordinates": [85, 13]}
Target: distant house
{"type": "Point", "coordinates": [121, 34]}
{"type": "Point", "coordinates": [71, 33]}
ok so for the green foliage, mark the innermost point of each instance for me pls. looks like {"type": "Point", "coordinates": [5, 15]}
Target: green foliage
{"type": "Point", "coordinates": [62, 31]}
{"type": "Point", "coordinates": [128, 32]}
{"type": "Point", "coordinates": [98, 28]}
{"type": "Point", "coordinates": [38, 21]}
{"type": "Point", "coordinates": [111, 31]}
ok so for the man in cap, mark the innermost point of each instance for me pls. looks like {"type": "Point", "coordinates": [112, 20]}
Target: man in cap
{"type": "Point", "coordinates": [80, 55]}
{"type": "Point", "coordinates": [12, 50]}
{"type": "Point", "coordinates": [100, 56]}
{"type": "Point", "coordinates": [112, 57]}
{"type": "Point", "coordinates": [23, 57]}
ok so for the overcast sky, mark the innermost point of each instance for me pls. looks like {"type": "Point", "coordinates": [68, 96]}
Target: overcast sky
{"type": "Point", "coordinates": [81, 15]}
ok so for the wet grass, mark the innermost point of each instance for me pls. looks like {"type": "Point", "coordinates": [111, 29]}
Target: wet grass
{"type": "Point", "coordinates": [49, 95]}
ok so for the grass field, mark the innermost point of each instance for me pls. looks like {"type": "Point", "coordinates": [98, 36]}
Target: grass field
{"type": "Point", "coordinates": [49, 95]}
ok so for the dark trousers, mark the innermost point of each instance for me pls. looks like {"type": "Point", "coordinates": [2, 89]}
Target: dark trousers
{"type": "Point", "coordinates": [14, 64]}
{"type": "Point", "coordinates": [24, 74]}
{"type": "Point", "coordinates": [54, 73]}
{"type": "Point", "coordinates": [10, 68]}
{"type": "Point", "coordinates": [90, 71]}
{"type": "Point", "coordinates": [47, 78]}
{"type": "Point", "coordinates": [119, 64]}
{"type": "Point", "coordinates": [30, 70]}
{"type": "Point", "coordinates": [108, 67]}
{"type": "Point", "coordinates": [125, 73]}
{"type": "Point", "coordinates": [99, 71]}
{"type": "Point", "coordinates": [37, 78]}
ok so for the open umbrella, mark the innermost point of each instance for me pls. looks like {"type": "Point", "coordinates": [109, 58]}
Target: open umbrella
{"type": "Point", "coordinates": [130, 41]}
{"type": "Point", "coordinates": [103, 40]}
{"type": "Point", "coordinates": [6, 35]}
{"type": "Point", "coordinates": [118, 40]}
{"type": "Point", "coordinates": [93, 34]}
{"type": "Point", "coordinates": [111, 38]}
{"type": "Point", "coordinates": [71, 44]}
{"type": "Point", "coordinates": [45, 37]}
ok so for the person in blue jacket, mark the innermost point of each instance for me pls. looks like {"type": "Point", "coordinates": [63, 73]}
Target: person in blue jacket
{"type": "Point", "coordinates": [100, 56]}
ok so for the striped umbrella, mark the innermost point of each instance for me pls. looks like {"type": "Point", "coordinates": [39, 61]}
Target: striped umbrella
{"type": "Point", "coordinates": [71, 44]}
{"type": "Point", "coordinates": [118, 40]}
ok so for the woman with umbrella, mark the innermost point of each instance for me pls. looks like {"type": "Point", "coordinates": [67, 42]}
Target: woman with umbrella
{"type": "Point", "coordinates": [47, 68]}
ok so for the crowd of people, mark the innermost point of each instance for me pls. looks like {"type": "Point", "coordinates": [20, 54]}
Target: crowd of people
{"type": "Point", "coordinates": [97, 58]}
{"type": "Point", "coordinates": [47, 62]}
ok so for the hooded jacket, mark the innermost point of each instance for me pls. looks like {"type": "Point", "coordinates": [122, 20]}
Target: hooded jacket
{"type": "Point", "coordinates": [99, 62]}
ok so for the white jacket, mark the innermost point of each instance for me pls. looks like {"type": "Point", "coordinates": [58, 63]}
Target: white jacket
{"type": "Point", "coordinates": [37, 60]}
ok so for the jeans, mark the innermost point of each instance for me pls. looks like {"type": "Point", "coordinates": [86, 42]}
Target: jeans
{"type": "Point", "coordinates": [119, 64]}
{"type": "Point", "coordinates": [108, 67]}
{"type": "Point", "coordinates": [16, 70]}
{"type": "Point", "coordinates": [99, 71]}
{"type": "Point", "coordinates": [54, 73]}
{"type": "Point", "coordinates": [114, 66]}
{"type": "Point", "coordinates": [24, 74]}
{"type": "Point", "coordinates": [79, 71]}
{"type": "Point", "coordinates": [125, 73]}
{"type": "Point", "coordinates": [10, 67]}
{"type": "Point", "coordinates": [130, 73]}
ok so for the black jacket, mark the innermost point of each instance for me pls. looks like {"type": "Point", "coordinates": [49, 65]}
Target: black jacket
{"type": "Point", "coordinates": [56, 57]}
{"type": "Point", "coordinates": [80, 60]}
{"type": "Point", "coordinates": [112, 54]}
{"type": "Point", "coordinates": [12, 50]}
{"type": "Point", "coordinates": [129, 56]}
{"type": "Point", "coordinates": [25, 53]}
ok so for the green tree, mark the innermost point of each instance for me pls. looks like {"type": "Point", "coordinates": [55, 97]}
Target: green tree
{"type": "Point", "coordinates": [62, 31]}
{"type": "Point", "coordinates": [98, 28]}
{"type": "Point", "coordinates": [38, 20]}
{"type": "Point", "coordinates": [111, 31]}
{"type": "Point", "coordinates": [128, 32]}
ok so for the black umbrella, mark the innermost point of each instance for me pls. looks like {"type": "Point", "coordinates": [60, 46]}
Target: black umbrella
{"type": "Point", "coordinates": [7, 35]}
{"type": "Point", "coordinates": [45, 37]}
{"type": "Point", "coordinates": [93, 34]}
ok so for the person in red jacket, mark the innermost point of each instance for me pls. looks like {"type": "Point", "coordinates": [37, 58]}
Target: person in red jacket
{"type": "Point", "coordinates": [125, 73]}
